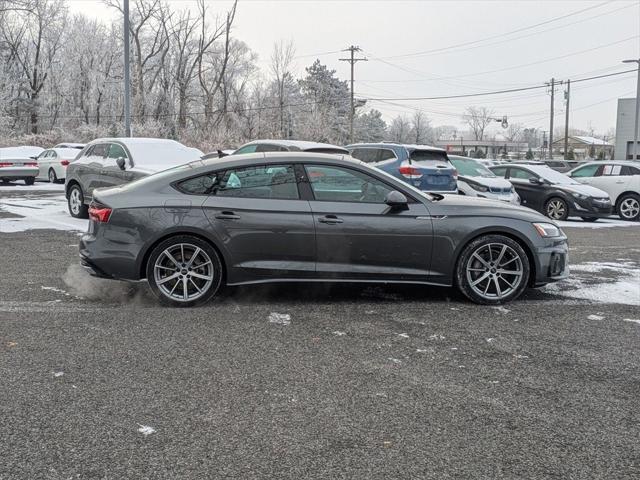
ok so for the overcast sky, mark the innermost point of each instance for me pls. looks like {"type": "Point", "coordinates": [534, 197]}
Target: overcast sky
{"type": "Point", "coordinates": [408, 46]}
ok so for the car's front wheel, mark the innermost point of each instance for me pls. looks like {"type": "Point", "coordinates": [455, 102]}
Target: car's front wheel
{"type": "Point", "coordinates": [492, 269]}
{"type": "Point", "coordinates": [629, 207]}
{"type": "Point", "coordinates": [556, 209]}
{"type": "Point", "coordinates": [77, 208]}
{"type": "Point", "coordinates": [184, 271]}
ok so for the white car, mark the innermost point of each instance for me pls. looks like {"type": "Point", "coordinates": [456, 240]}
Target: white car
{"type": "Point", "coordinates": [619, 178]}
{"type": "Point", "coordinates": [52, 163]}
{"type": "Point", "coordinates": [476, 180]}
{"type": "Point", "coordinates": [77, 146]}
{"type": "Point", "coordinates": [17, 163]}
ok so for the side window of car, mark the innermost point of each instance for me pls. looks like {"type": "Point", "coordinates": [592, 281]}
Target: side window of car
{"type": "Point", "coordinates": [268, 181]}
{"type": "Point", "coordinates": [116, 151]}
{"type": "Point", "coordinates": [88, 151]}
{"type": "Point", "coordinates": [521, 174]}
{"type": "Point", "coordinates": [266, 147]}
{"type": "Point", "coordinates": [100, 150]}
{"type": "Point", "coordinates": [201, 185]}
{"type": "Point", "coordinates": [611, 170]}
{"type": "Point", "coordinates": [386, 154]}
{"type": "Point", "coordinates": [246, 149]}
{"type": "Point", "coordinates": [627, 170]}
{"type": "Point", "coordinates": [367, 155]}
{"type": "Point", "coordinates": [500, 172]}
{"type": "Point", "coordinates": [586, 171]}
{"type": "Point", "coordinates": [337, 184]}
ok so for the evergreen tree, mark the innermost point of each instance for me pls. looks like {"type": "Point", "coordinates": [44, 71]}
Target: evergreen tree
{"type": "Point", "coordinates": [529, 154]}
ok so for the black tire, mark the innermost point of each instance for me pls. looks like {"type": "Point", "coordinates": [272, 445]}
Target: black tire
{"type": "Point", "coordinates": [189, 242]}
{"type": "Point", "coordinates": [590, 219]}
{"type": "Point", "coordinates": [77, 210]}
{"type": "Point", "coordinates": [557, 205]}
{"type": "Point", "coordinates": [53, 178]}
{"type": "Point", "coordinates": [30, 180]}
{"type": "Point", "coordinates": [468, 263]}
{"type": "Point", "coordinates": [630, 203]}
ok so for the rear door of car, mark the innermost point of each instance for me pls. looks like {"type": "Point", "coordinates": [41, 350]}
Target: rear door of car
{"type": "Point", "coordinates": [611, 178]}
{"type": "Point", "coordinates": [44, 162]}
{"type": "Point", "coordinates": [358, 236]}
{"type": "Point", "coordinates": [258, 213]}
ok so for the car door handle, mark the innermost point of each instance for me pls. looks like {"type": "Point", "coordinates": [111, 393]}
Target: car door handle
{"type": "Point", "coordinates": [330, 219]}
{"type": "Point", "coordinates": [227, 216]}
{"type": "Point", "coordinates": [620, 181]}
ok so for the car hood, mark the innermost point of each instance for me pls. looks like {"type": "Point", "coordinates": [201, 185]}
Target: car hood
{"type": "Point", "coordinates": [490, 182]}
{"type": "Point", "coordinates": [464, 206]}
{"type": "Point", "coordinates": [584, 190]}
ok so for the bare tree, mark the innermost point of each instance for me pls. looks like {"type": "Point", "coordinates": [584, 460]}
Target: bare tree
{"type": "Point", "coordinates": [400, 129]}
{"type": "Point", "coordinates": [420, 127]}
{"type": "Point", "coordinates": [281, 58]}
{"type": "Point", "coordinates": [514, 132]}
{"type": "Point", "coordinates": [477, 118]}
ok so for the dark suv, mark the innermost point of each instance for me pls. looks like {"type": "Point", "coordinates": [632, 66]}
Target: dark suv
{"type": "Point", "coordinates": [426, 168]}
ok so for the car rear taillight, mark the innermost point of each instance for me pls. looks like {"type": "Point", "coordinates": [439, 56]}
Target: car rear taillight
{"type": "Point", "coordinates": [6, 164]}
{"type": "Point", "coordinates": [410, 172]}
{"type": "Point", "coordinates": [31, 164]}
{"type": "Point", "coordinates": [455, 174]}
{"type": "Point", "coordinates": [64, 163]}
{"type": "Point", "coordinates": [99, 213]}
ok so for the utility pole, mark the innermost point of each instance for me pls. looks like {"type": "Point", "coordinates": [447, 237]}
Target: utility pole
{"type": "Point", "coordinates": [127, 73]}
{"type": "Point", "coordinates": [352, 60]}
{"type": "Point", "coordinates": [567, 95]}
{"type": "Point", "coordinates": [553, 91]}
{"type": "Point", "coordinates": [635, 131]}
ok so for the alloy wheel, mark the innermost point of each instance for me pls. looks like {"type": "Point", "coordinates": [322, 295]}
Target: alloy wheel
{"type": "Point", "coordinates": [75, 202]}
{"type": "Point", "coordinates": [494, 271]}
{"type": "Point", "coordinates": [556, 209]}
{"type": "Point", "coordinates": [629, 208]}
{"type": "Point", "coordinates": [52, 176]}
{"type": "Point", "coordinates": [183, 272]}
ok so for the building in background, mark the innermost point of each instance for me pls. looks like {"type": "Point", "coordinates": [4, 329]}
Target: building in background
{"type": "Point", "coordinates": [624, 129]}
{"type": "Point", "coordinates": [490, 148]}
{"type": "Point", "coordinates": [585, 148]}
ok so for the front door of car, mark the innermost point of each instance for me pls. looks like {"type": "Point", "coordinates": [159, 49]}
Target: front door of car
{"type": "Point", "coordinates": [111, 174]}
{"type": "Point", "coordinates": [531, 194]}
{"type": "Point", "coordinates": [358, 236]}
{"type": "Point", "coordinates": [267, 229]}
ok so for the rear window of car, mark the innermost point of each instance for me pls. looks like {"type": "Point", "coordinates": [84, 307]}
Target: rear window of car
{"type": "Point", "coordinates": [427, 156]}
{"type": "Point", "coordinates": [627, 170]}
{"type": "Point", "coordinates": [201, 185]}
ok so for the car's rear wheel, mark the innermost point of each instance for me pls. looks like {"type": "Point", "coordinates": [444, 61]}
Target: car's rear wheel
{"type": "Point", "coordinates": [629, 207]}
{"type": "Point", "coordinates": [492, 269]}
{"type": "Point", "coordinates": [53, 178]}
{"type": "Point", "coordinates": [556, 209]}
{"type": "Point", "coordinates": [184, 271]}
{"type": "Point", "coordinates": [30, 180]}
{"type": "Point", "coordinates": [77, 208]}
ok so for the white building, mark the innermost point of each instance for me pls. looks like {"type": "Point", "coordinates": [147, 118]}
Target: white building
{"type": "Point", "coordinates": [624, 129]}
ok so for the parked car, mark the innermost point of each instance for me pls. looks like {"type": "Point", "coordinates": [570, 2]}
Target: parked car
{"type": "Point", "coordinates": [52, 163]}
{"type": "Point", "coordinates": [299, 217]}
{"type": "Point", "coordinates": [17, 163]}
{"type": "Point", "coordinates": [426, 168]}
{"type": "Point", "coordinates": [217, 154]}
{"type": "Point", "coordinates": [107, 162]}
{"type": "Point", "coordinates": [555, 194]}
{"type": "Point", "coordinates": [476, 180]}
{"type": "Point", "coordinates": [289, 146]}
{"type": "Point", "coordinates": [621, 181]}
{"type": "Point", "coordinates": [77, 146]}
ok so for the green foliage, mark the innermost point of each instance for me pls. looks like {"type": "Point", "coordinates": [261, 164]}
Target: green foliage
{"type": "Point", "coordinates": [529, 154]}
{"type": "Point", "coordinates": [571, 154]}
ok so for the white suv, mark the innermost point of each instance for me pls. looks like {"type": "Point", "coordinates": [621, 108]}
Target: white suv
{"type": "Point", "coordinates": [619, 178]}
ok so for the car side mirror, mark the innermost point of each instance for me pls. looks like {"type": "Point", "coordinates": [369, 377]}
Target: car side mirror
{"type": "Point", "coordinates": [120, 163]}
{"type": "Point", "coordinates": [396, 200]}
{"type": "Point", "coordinates": [535, 181]}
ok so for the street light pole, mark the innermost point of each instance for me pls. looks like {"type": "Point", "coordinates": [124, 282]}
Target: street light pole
{"type": "Point", "coordinates": [127, 74]}
{"type": "Point", "coordinates": [635, 131]}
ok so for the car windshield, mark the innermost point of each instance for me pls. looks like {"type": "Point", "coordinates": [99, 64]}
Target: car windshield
{"type": "Point", "coordinates": [470, 168]}
{"type": "Point", "coordinates": [551, 176]}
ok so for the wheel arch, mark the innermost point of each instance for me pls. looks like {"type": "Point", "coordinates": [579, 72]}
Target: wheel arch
{"type": "Point", "coordinates": [143, 257]}
{"type": "Point", "coordinates": [622, 195]}
{"type": "Point", "coordinates": [71, 183]}
{"type": "Point", "coordinates": [506, 232]}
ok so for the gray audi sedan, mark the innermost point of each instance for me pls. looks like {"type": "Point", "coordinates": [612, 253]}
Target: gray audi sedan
{"type": "Point", "coordinates": [309, 217]}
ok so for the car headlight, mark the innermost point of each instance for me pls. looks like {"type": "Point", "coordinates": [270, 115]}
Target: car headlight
{"type": "Point", "coordinates": [547, 230]}
{"type": "Point", "coordinates": [478, 187]}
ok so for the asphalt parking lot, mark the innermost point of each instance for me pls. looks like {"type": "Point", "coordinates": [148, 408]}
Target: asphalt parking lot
{"type": "Point", "coordinates": [320, 381]}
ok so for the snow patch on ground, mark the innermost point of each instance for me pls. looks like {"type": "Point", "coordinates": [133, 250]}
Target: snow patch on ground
{"type": "Point", "coordinates": [146, 430]}
{"type": "Point", "coordinates": [601, 223]}
{"type": "Point", "coordinates": [632, 320]}
{"type": "Point", "coordinates": [58, 374]}
{"type": "Point", "coordinates": [39, 213]}
{"type": "Point", "coordinates": [595, 317]}
{"type": "Point", "coordinates": [37, 187]}
{"type": "Point", "coordinates": [616, 283]}
{"type": "Point", "coordinates": [501, 309]}
{"type": "Point", "coordinates": [339, 333]}
{"type": "Point", "coordinates": [280, 318]}
{"type": "Point", "coordinates": [403, 335]}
